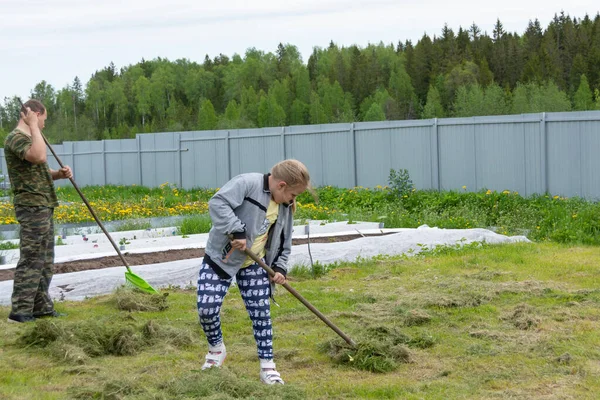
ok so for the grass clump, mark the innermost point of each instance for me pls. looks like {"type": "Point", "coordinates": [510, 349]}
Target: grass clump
{"type": "Point", "coordinates": [75, 342]}
{"type": "Point", "coordinates": [44, 332]}
{"type": "Point", "coordinates": [154, 332]}
{"type": "Point", "coordinates": [523, 317]}
{"type": "Point", "coordinates": [314, 271]}
{"type": "Point", "coordinates": [71, 354]}
{"type": "Point", "coordinates": [195, 224]}
{"type": "Point", "coordinates": [133, 225]}
{"type": "Point", "coordinates": [94, 338]}
{"type": "Point", "coordinates": [368, 355]}
{"type": "Point", "coordinates": [8, 245]}
{"type": "Point", "coordinates": [111, 390]}
{"type": "Point", "coordinates": [381, 350]}
{"type": "Point", "coordinates": [416, 318]}
{"type": "Point", "coordinates": [127, 299]}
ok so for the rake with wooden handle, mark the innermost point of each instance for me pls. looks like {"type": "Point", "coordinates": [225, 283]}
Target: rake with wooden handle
{"type": "Point", "coordinates": [302, 299]}
{"type": "Point", "coordinates": [131, 278]}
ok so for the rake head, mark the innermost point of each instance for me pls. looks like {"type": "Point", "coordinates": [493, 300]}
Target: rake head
{"type": "Point", "coordinates": [138, 282]}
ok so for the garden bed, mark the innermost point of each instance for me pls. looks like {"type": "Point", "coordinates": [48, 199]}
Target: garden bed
{"type": "Point", "coordinates": [158, 257]}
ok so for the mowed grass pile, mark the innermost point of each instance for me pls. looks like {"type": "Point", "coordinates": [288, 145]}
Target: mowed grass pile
{"type": "Point", "coordinates": [119, 335]}
{"type": "Point", "coordinates": [510, 321]}
{"type": "Point", "coordinates": [131, 299]}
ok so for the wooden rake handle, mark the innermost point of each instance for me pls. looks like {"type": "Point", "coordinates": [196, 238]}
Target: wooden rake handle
{"type": "Point", "coordinates": [302, 299]}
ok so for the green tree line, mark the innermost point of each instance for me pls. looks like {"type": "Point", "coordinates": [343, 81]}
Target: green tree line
{"type": "Point", "coordinates": [456, 74]}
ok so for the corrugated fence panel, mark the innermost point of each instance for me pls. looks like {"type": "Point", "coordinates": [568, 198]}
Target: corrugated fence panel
{"type": "Point", "coordinates": [336, 158]}
{"type": "Point", "coordinates": [88, 162]}
{"type": "Point", "coordinates": [325, 150]}
{"type": "Point", "coordinates": [251, 153]}
{"type": "Point", "coordinates": [402, 145]}
{"type": "Point", "coordinates": [564, 158]}
{"type": "Point", "coordinates": [495, 152]}
{"type": "Point", "coordinates": [307, 148]}
{"type": "Point", "coordinates": [411, 149]}
{"type": "Point", "coordinates": [589, 132]}
{"type": "Point", "coordinates": [533, 159]}
{"type": "Point", "coordinates": [159, 159]}
{"type": "Point", "coordinates": [122, 163]}
{"type": "Point", "coordinates": [500, 157]}
{"type": "Point", "coordinates": [204, 159]}
{"type": "Point", "coordinates": [373, 156]}
{"type": "Point", "coordinates": [573, 162]}
{"type": "Point", "coordinates": [457, 160]}
{"type": "Point", "coordinates": [313, 146]}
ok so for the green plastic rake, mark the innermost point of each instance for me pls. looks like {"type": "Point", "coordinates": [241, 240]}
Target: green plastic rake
{"type": "Point", "coordinates": [132, 279]}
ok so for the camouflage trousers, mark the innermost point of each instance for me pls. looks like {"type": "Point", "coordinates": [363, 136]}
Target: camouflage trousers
{"type": "Point", "coordinates": [34, 270]}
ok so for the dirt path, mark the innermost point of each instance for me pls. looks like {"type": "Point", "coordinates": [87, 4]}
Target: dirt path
{"type": "Point", "coordinates": [153, 258]}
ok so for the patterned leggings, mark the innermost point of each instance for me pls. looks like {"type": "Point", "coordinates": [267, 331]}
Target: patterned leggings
{"type": "Point", "coordinates": [254, 286]}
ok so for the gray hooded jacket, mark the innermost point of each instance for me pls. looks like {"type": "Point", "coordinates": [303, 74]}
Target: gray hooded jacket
{"type": "Point", "coordinates": [239, 208]}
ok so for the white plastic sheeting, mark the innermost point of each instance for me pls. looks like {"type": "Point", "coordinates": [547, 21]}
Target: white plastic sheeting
{"type": "Point", "coordinates": [79, 285]}
{"type": "Point", "coordinates": [96, 245]}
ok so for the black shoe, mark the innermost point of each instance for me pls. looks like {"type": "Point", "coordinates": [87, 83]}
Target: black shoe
{"type": "Point", "coordinates": [20, 318]}
{"type": "Point", "coordinates": [51, 314]}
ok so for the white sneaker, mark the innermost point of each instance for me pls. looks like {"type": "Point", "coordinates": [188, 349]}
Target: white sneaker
{"type": "Point", "coordinates": [268, 374]}
{"type": "Point", "coordinates": [215, 356]}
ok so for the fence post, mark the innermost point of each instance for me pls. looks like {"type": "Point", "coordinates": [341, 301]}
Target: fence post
{"type": "Point", "coordinates": [435, 156]}
{"type": "Point", "coordinates": [227, 144]}
{"type": "Point", "coordinates": [139, 153]}
{"type": "Point", "coordinates": [474, 126]}
{"type": "Point", "coordinates": [177, 137]}
{"type": "Point", "coordinates": [353, 144]}
{"type": "Point", "coordinates": [283, 156]}
{"type": "Point", "coordinates": [73, 168]}
{"type": "Point", "coordinates": [104, 161]}
{"type": "Point", "coordinates": [543, 153]}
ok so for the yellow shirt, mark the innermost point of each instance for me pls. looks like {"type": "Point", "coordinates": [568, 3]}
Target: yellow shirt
{"type": "Point", "coordinates": [258, 247]}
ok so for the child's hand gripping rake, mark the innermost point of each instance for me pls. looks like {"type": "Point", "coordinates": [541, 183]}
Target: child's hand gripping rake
{"type": "Point", "coordinates": [131, 278]}
{"type": "Point", "coordinates": [302, 299]}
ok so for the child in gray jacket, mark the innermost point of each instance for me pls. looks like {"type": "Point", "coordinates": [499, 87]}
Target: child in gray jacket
{"type": "Point", "coordinates": [256, 211]}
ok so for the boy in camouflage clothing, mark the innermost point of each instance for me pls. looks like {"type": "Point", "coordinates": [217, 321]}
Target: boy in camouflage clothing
{"type": "Point", "coordinates": [32, 183]}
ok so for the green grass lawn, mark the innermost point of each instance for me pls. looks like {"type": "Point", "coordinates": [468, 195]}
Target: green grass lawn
{"type": "Point", "coordinates": [513, 321]}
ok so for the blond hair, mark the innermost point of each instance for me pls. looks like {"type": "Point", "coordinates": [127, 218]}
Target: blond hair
{"type": "Point", "coordinates": [294, 174]}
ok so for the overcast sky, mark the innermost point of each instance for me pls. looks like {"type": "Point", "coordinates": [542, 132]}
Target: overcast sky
{"type": "Point", "coordinates": [56, 40]}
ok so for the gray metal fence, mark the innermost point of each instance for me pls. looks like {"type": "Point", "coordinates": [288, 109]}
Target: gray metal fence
{"type": "Point", "coordinates": [528, 153]}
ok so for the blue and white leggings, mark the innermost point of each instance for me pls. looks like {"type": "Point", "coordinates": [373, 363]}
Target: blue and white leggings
{"type": "Point", "coordinates": [254, 285]}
